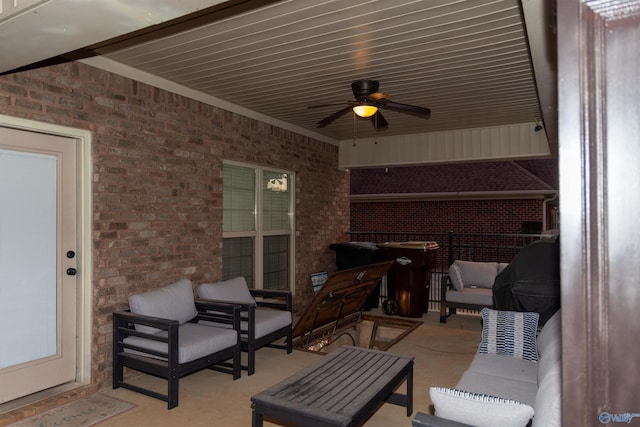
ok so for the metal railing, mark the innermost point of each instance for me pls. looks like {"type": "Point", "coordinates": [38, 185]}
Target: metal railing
{"type": "Point", "coordinates": [462, 246]}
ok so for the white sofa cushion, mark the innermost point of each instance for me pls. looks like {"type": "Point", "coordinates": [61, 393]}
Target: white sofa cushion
{"type": "Point", "coordinates": [195, 341]}
{"type": "Point", "coordinates": [505, 366]}
{"type": "Point", "coordinates": [235, 290]}
{"type": "Point", "coordinates": [509, 333]}
{"type": "Point", "coordinates": [549, 359]}
{"type": "Point", "coordinates": [551, 331]}
{"type": "Point", "coordinates": [480, 410]}
{"type": "Point", "coordinates": [173, 302]}
{"type": "Point", "coordinates": [480, 274]}
{"type": "Point", "coordinates": [548, 405]}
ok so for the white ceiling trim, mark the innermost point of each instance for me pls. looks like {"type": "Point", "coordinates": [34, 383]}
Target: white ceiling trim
{"type": "Point", "coordinates": [161, 83]}
{"type": "Point", "coordinates": [510, 142]}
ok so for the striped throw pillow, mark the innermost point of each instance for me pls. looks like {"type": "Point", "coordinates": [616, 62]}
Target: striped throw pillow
{"type": "Point", "coordinates": [509, 333]}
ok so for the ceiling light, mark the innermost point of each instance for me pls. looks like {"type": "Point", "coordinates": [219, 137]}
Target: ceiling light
{"type": "Point", "coordinates": [365, 110]}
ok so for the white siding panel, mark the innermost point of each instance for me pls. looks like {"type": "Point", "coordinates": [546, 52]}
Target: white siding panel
{"type": "Point", "coordinates": [500, 142]}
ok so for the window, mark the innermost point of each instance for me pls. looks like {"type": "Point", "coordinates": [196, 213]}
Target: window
{"type": "Point", "coordinates": [257, 226]}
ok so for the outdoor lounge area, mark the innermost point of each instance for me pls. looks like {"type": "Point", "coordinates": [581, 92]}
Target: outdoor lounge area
{"type": "Point", "coordinates": [201, 140]}
{"type": "Point", "coordinates": [442, 353]}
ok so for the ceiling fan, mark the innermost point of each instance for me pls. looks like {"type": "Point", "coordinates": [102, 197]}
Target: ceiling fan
{"type": "Point", "coordinates": [368, 102]}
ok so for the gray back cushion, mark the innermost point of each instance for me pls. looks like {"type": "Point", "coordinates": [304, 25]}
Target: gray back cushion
{"type": "Point", "coordinates": [480, 274]}
{"type": "Point", "coordinates": [173, 302]}
{"type": "Point", "coordinates": [235, 290]}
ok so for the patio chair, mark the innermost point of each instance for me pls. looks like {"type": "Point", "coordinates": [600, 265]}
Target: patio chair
{"type": "Point", "coordinates": [159, 336]}
{"type": "Point", "coordinates": [265, 317]}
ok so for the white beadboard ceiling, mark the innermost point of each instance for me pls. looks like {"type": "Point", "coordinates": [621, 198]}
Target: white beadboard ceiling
{"type": "Point", "coordinates": [467, 60]}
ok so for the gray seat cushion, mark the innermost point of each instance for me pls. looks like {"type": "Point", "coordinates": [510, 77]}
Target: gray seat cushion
{"type": "Point", "coordinates": [477, 296]}
{"type": "Point", "coordinates": [195, 340]}
{"type": "Point", "coordinates": [267, 320]}
{"type": "Point", "coordinates": [505, 366]}
{"type": "Point", "coordinates": [509, 388]}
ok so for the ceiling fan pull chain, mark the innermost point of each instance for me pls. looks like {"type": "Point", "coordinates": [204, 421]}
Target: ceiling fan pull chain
{"type": "Point", "coordinates": [354, 130]}
{"type": "Point", "coordinates": [375, 129]}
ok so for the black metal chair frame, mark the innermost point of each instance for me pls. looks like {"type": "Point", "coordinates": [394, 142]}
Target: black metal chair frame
{"type": "Point", "coordinates": [265, 298]}
{"type": "Point", "coordinates": [444, 304]}
{"type": "Point", "coordinates": [166, 365]}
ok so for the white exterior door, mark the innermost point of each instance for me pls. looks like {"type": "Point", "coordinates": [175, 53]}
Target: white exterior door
{"type": "Point", "coordinates": [38, 281]}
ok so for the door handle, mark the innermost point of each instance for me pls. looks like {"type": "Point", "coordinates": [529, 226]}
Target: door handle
{"type": "Point", "coordinates": [71, 271]}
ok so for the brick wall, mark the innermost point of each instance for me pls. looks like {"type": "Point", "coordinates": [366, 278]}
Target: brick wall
{"type": "Point", "coordinates": [459, 216]}
{"type": "Point", "coordinates": [157, 183]}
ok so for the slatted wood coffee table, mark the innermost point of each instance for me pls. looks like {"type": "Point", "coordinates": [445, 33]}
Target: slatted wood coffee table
{"type": "Point", "coordinates": [343, 389]}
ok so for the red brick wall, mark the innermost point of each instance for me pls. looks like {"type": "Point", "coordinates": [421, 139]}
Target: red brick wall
{"type": "Point", "coordinates": [459, 216]}
{"type": "Point", "coordinates": [157, 183]}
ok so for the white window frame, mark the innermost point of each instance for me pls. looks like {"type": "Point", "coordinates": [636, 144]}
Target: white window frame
{"type": "Point", "coordinates": [259, 232]}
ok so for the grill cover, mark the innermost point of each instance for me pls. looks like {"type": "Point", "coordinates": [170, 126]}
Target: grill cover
{"type": "Point", "coordinates": [531, 281]}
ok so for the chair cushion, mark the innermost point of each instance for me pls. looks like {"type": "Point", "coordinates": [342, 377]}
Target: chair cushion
{"type": "Point", "coordinates": [509, 333]}
{"type": "Point", "coordinates": [235, 290]}
{"type": "Point", "coordinates": [477, 296]}
{"type": "Point", "coordinates": [173, 302]}
{"type": "Point", "coordinates": [455, 275]}
{"type": "Point", "coordinates": [195, 341]}
{"type": "Point", "coordinates": [479, 409]}
{"type": "Point", "coordinates": [501, 266]}
{"type": "Point", "coordinates": [480, 274]}
{"type": "Point", "coordinates": [269, 320]}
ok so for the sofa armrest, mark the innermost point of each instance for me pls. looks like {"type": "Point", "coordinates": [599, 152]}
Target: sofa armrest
{"type": "Point", "coordinates": [427, 420]}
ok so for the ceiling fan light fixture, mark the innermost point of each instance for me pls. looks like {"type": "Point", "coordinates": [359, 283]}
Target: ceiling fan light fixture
{"type": "Point", "coordinates": [365, 110]}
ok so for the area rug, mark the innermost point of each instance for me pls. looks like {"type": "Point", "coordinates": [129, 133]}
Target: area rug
{"type": "Point", "coordinates": [84, 412]}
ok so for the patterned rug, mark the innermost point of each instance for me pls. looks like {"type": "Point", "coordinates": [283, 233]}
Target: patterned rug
{"type": "Point", "coordinates": [84, 412]}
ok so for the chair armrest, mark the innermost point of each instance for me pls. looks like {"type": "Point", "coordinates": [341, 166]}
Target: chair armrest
{"type": "Point", "coordinates": [219, 312]}
{"type": "Point", "coordinates": [124, 326]}
{"type": "Point", "coordinates": [444, 286]}
{"type": "Point", "coordinates": [427, 420]}
{"type": "Point", "coordinates": [273, 298]}
{"type": "Point", "coordinates": [126, 319]}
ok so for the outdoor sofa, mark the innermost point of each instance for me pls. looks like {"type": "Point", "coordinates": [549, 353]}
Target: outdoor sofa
{"type": "Point", "coordinates": [514, 378]}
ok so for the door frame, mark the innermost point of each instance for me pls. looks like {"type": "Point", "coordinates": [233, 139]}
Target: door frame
{"type": "Point", "coordinates": [84, 318]}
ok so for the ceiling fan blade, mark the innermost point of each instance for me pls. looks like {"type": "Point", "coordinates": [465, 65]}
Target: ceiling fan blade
{"type": "Point", "coordinates": [327, 105]}
{"type": "Point", "coordinates": [421, 112]}
{"type": "Point", "coordinates": [327, 120]}
{"type": "Point", "coordinates": [379, 121]}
